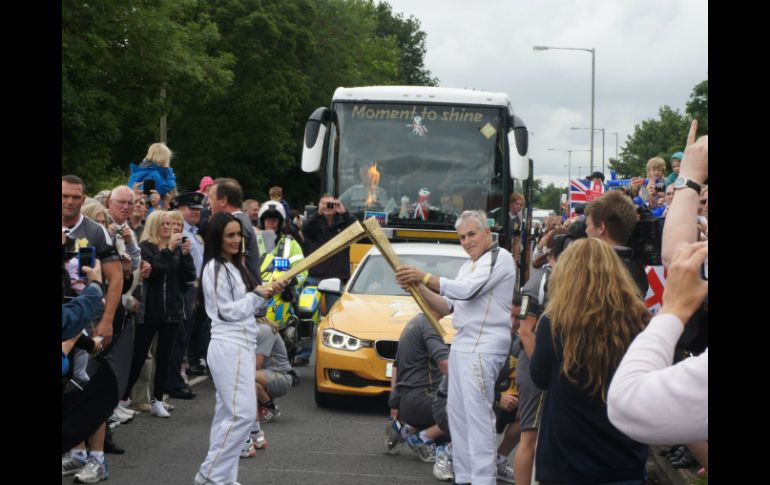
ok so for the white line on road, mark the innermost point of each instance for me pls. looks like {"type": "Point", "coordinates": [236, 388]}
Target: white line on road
{"type": "Point", "coordinates": [349, 474]}
{"type": "Point", "coordinates": [342, 454]}
{"type": "Point", "coordinates": [196, 380]}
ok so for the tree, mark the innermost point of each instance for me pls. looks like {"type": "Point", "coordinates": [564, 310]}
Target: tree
{"type": "Point", "coordinates": [116, 57]}
{"type": "Point", "coordinates": [662, 137]}
{"type": "Point", "coordinates": [411, 44]}
{"type": "Point", "coordinates": [652, 138]}
{"type": "Point", "coordinates": [698, 106]}
{"type": "Point", "coordinates": [547, 198]}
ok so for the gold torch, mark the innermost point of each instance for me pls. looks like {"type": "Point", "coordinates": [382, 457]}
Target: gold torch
{"type": "Point", "coordinates": [373, 229]}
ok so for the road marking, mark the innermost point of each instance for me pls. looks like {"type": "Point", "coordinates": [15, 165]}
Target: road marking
{"type": "Point", "coordinates": [196, 380]}
{"type": "Point", "coordinates": [349, 474]}
{"type": "Point", "coordinates": [342, 454]}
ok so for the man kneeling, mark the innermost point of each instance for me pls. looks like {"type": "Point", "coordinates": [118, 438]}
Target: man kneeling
{"type": "Point", "coordinates": [274, 373]}
{"type": "Point", "coordinates": [421, 360]}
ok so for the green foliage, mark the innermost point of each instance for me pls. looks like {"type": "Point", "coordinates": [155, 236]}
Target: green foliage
{"type": "Point", "coordinates": [411, 43]}
{"type": "Point", "coordinates": [652, 138]}
{"type": "Point", "coordinates": [698, 106]}
{"type": "Point", "coordinates": [662, 137]}
{"type": "Point", "coordinates": [547, 198]}
{"type": "Point", "coordinates": [240, 78]}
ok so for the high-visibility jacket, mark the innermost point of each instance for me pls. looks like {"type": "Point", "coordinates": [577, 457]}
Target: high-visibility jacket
{"type": "Point", "coordinates": [279, 310]}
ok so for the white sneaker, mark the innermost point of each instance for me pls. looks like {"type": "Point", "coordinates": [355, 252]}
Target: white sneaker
{"type": "Point", "coordinates": [122, 415]}
{"type": "Point", "coordinates": [259, 439]}
{"type": "Point", "coordinates": [124, 406]}
{"type": "Point", "coordinates": [505, 472]}
{"type": "Point", "coordinates": [442, 468]}
{"type": "Point", "coordinates": [249, 449]}
{"type": "Point", "coordinates": [71, 464]}
{"type": "Point", "coordinates": [158, 409]}
{"type": "Point", "coordinates": [93, 472]}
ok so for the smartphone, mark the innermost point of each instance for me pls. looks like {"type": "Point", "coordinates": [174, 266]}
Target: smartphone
{"type": "Point", "coordinates": [86, 257]}
{"type": "Point", "coordinates": [148, 186]}
{"type": "Point", "coordinates": [524, 307]}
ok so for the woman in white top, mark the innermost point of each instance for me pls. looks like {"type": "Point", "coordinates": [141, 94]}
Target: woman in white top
{"type": "Point", "coordinates": [231, 298]}
{"type": "Point", "coordinates": [480, 298]}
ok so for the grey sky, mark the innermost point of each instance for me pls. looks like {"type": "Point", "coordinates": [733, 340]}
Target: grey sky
{"type": "Point", "coordinates": [648, 53]}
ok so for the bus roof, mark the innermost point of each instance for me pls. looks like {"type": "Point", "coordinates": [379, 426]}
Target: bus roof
{"type": "Point", "coordinates": [424, 94]}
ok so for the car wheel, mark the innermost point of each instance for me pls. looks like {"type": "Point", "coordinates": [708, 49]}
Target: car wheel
{"type": "Point", "coordinates": [322, 399]}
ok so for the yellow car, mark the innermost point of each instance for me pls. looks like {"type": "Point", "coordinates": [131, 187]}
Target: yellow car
{"type": "Point", "coordinates": [356, 342]}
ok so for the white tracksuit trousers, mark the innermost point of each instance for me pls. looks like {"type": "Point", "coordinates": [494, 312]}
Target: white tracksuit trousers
{"type": "Point", "coordinates": [470, 398]}
{"type": "Point", "coordinates": [232, 369]}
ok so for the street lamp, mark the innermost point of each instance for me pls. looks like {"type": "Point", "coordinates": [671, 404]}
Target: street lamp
{"type": "Point", "coordinates": [595, 130]}
{"type": "Point", "coordinates": [616, 142]}
{"type": "Point", "coordinates": [593, 76]}
{"type": "Point", "coordinates": [569, 161]}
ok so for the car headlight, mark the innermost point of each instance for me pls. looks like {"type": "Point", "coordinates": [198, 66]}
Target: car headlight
{"type": "Point", "coordinates": [338, 340]}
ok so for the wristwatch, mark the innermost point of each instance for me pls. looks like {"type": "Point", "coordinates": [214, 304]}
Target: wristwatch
{"type": "Point", "coordinates": [683, 182]}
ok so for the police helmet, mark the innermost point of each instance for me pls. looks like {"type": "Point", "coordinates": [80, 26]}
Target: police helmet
{"type": "Point", "coordinates": [273, 210]}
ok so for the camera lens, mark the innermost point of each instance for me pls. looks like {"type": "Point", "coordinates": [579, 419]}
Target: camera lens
{"type": "Point", "coordinates": [330, 205]}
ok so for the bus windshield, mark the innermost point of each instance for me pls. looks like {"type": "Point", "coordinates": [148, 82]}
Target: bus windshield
{"type": "Point", "coordinates": [417, 164]}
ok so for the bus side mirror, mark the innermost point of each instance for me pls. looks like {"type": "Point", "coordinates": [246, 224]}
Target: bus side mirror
{"type": "Point", "coordinates": [315, 132]}
{"type": "Point", "coordinates": [518, 141]}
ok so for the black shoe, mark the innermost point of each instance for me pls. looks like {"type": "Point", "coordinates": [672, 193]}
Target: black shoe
{"type": "Point", "coordinates": [665, 451]}
{"type": "Point", "coordinates": [300, 361]}
{"type": "Point", "coordinates": [183, 393]}
{"type": "Point", "coordinates": [685, 462]}
{"type": "Point", "coordinates": [677, 455]}
{"type": "Point", "coordinates": [111, 447]}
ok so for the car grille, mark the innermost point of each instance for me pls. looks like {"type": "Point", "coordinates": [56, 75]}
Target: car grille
{"type": "Point", "coordinates": [386, 349]}
{"type": "Point", "coordinates": [347, 378]}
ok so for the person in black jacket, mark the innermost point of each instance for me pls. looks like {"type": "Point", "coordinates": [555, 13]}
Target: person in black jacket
{"type": "Point", "coordinates": [576, 349]}
{"type": "Point", "coordinates": [330, 219]}
{"type": "Point", "coordinates": [172, 269]}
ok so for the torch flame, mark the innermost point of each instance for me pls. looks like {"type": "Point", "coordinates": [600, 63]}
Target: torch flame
{"type": "Point", "coordinates": [374, 180]}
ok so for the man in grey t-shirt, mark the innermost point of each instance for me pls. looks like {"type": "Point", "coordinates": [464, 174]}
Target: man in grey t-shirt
{"type": "Point", "coordinates": [421, 361]}
{"type": "Point", "coordinates": [274, 372]}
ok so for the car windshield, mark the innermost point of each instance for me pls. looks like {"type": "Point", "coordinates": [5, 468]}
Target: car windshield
{"type": "Point", "coordinates": [377, 278]}
{"type": "Point", "coordinates": [417, 164]}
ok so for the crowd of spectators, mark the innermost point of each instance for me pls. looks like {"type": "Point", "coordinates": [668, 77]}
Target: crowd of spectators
{"type": "Point", "coordinates": [592, 364]}
{"type": "Point", "coordinates": [142, 289]}
{"type": "Point", "coordinates": [569, 364]}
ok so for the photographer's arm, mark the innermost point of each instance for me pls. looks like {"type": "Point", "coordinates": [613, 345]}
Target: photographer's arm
{"type": "Point", "coordinates": [646, 382]}
{"type": "Point", "coordinates": [681, 226]}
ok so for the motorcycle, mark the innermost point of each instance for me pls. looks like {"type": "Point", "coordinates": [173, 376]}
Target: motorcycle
{"type": "Point", "coordinates": [296, 311]}
{"type": "Point", "coordinates": [308, 310]}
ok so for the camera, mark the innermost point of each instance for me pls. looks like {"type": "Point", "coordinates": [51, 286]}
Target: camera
{"type": "Point", "coordinates": [184, 239]}
{"type": "Point", "coordinates": [577, 230]}
{"type": "Point", "coordinates": [330, 205]}
{"type": "Point", "coordinates": [647, 239]}
{"type": "Point", "coordinates": [148, 186]}
{"type": "Point", "coordinates": [661, 187]}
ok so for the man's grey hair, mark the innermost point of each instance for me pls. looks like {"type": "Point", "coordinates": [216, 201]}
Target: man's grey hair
{"type": "Point", "coordinates": [479, 217]}
{"type": "Point", "coordinates": [120, 188]}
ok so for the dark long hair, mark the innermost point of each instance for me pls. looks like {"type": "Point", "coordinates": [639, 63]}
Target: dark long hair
{"type": "Point", "coordinates": [212, 249]}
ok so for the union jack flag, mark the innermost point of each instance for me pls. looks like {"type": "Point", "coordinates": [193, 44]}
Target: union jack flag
{"type": "Point", "coordinates": [656, 277]}
{"type": "Point", "coordinates": [581, 191]}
